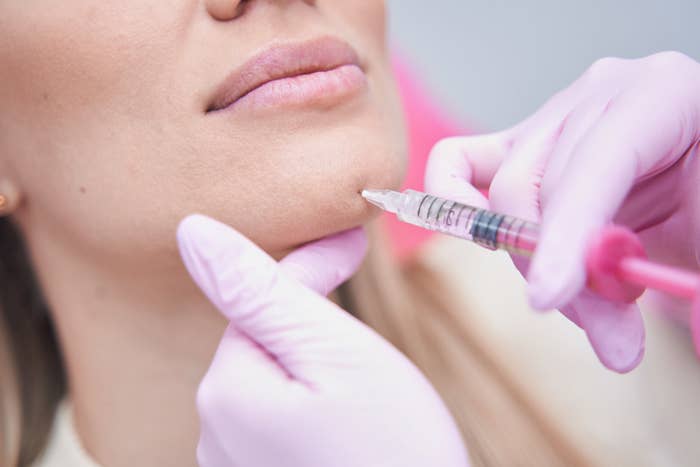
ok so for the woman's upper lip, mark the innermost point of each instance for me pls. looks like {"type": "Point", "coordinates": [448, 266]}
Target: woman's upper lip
{"type": "Point", "coordinates": [282, 61]}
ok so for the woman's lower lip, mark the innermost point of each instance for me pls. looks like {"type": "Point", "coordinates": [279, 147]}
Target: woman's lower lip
{"type": "Point", "coordinates": [322, 88]}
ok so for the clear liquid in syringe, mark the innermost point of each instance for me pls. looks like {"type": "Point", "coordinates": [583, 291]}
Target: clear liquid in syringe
{"type": "Point", "coordinates": [488, 229]}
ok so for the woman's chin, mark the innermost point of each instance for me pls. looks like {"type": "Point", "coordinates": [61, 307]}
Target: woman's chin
{"type": "Point", "coordinates": [355, 213]}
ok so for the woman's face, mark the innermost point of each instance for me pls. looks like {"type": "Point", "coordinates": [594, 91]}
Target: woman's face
{"type": "Point", "coordinates": [112, 126]}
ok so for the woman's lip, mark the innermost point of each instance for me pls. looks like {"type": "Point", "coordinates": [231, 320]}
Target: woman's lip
{"type": "Point", "coordinates": [320, 87]}
{"type": "Point", "coordinates": [291, 72]}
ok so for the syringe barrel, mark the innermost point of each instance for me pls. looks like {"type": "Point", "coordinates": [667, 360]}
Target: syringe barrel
{"type": "Point", "coordinates": [488, 229]}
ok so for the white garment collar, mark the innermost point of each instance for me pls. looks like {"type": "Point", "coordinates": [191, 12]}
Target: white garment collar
{"type": "Point", "coordinates": [64, 448]}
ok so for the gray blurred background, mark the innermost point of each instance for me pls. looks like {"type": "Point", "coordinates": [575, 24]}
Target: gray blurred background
{"type": "Point", "coordinates": [494, 62]}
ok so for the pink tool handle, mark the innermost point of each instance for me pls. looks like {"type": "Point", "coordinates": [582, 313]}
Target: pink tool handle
{"type": "Point", "coordinates": [614, 246]}
{"type": "Point", "coordinates": [618, 269]}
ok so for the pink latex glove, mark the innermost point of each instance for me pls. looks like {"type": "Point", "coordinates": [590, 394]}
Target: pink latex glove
{"type": "Point", "coordinates": [620, 144]}
{"type": "Point", "coordinates": [296, 381]}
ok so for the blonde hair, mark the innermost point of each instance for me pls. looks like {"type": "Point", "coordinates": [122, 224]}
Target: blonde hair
{"type": "Point", "coordinates": [9, 410]}
{"type": "Point", "coordinates": [406, 303]}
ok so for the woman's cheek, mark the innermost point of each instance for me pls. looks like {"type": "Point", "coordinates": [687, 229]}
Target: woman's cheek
{"type": "Point", "coordinates": [367, 18]}
{"type": "Point", "coordinates": [65, 61]}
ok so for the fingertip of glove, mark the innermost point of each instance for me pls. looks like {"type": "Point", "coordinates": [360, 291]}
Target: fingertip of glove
{"type": "Point", "coordinates": [624, 360]}
{"type": "Point", "coordinates": [553, 286]}
{"type": "Point", "coordinates": [186, 230]}
{"type": "Point", "coordinates": [615, 330]}
{"type": "Point", "coordinates": [207, 246]}
{"type": "Point", "coordinates": [207, 237]}
{"type": "Point", "coordinates": [192, 229]}
{"type": "Point", "coordinates": [620, 350]}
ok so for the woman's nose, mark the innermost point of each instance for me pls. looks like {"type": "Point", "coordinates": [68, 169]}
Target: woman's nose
{"type": "Point", "coordinates": [226, 10]}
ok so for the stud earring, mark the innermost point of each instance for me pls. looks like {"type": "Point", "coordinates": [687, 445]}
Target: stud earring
{"type": "Point", "coordinates": [4, 205]}
{"type": "Point", "coordinates": [9, 198]}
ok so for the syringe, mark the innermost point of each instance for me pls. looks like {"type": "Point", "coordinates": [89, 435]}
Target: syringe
{"type": "Point", "coordinates": [616, 264]}
{"type": "Point", "coordinates": [488, 229]}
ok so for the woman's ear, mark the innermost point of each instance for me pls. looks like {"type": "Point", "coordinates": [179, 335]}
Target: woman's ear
{"type": "Point", "coordinates": [10, 196]}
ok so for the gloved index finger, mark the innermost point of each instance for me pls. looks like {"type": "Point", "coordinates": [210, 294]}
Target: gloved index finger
{"type": "Point", "coordinates": [634, 137]}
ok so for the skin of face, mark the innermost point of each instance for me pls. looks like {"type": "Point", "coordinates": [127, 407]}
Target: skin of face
{"type": "Point", "coordinates": [105, 135]}
{"type": "Point", "coordinates": [105, 130]}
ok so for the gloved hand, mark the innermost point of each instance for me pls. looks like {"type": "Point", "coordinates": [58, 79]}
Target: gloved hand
{"type": "Point", "coordinates": [621, 145]}
{"type": "Point", "coordinates": [297, 381]}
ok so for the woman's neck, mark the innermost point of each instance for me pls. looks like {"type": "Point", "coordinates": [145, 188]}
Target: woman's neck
{"type": "Point", "coordinates": [136, 346]}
